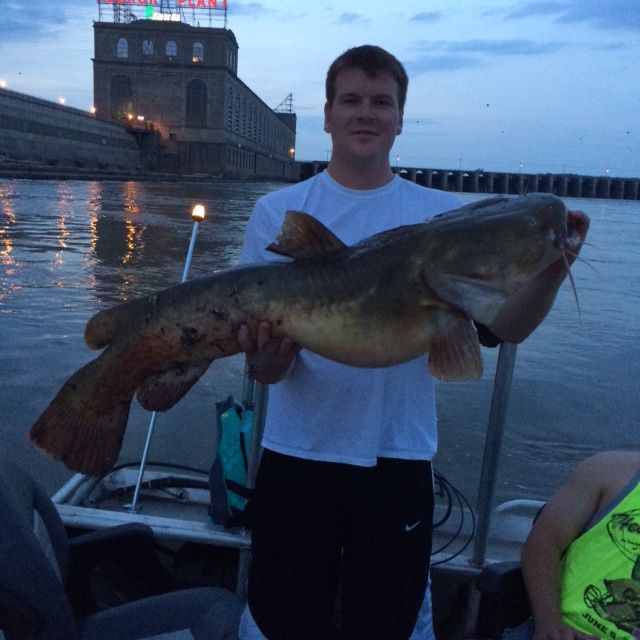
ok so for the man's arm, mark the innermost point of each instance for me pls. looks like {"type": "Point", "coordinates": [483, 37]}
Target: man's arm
{"type": "Point", "coordinates": [560, 522]}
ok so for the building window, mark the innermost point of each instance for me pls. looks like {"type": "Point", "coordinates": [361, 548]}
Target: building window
{"type": "Point", "coordinates": [230, 108]}
{"type": "Point", "coordinates": [171, 50]}
{"type": "Point", "coordinates": [196, 104]}
{"type": "Point", "coordinates": [121, 97]}
{"type": "Point", "coordinates": [198, 52]}
{"type": "Point", "coordinates": [147, 47]}
{"type": "Point", "coordinates": [122, 48]}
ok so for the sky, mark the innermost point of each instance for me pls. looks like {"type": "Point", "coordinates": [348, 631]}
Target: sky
{"type": "Point", "coordinates": [516, 85]}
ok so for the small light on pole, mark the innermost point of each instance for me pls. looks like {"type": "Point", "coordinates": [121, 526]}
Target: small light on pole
{"type": "Point", "coordinates": [197, 215]}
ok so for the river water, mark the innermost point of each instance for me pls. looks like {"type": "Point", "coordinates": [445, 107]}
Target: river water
{"type": "Point", "coordinates": [71, 248]}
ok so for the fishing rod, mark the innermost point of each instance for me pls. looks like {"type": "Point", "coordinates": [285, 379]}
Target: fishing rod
{"type": "Point", "coordinates": [197, 215]}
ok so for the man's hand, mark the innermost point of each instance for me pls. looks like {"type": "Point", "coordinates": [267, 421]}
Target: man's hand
{"type": "Point", "coordinates": [270, 359]}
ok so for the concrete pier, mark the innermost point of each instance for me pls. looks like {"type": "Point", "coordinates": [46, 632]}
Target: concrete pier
{"type": "Point", "coordinates": [492, 182]}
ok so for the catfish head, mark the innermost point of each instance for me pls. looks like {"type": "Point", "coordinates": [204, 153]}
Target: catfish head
{"type": "Point", "coordinates": [502, 260]}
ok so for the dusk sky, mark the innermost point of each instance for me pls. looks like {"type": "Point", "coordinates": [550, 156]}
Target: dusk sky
{"type": "Point", "coordinates": [547, 85]}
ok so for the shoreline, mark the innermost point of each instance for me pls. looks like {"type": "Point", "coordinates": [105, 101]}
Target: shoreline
{"type": "Point", "coordinates": [459, 181]}
{"type": "Point", "coordinates": [41, 173]}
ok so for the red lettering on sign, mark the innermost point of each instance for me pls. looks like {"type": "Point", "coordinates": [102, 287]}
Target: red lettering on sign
{"type": "Point", "coordinates": [191, 4]}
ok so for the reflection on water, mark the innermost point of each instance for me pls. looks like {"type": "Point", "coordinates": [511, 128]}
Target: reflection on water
{"type": "Point", "coordinates": [9, 219]}
{"type": "Point", "coordinates": [71, 248]}
{"type": "Point", "coordinates": [68, 249]}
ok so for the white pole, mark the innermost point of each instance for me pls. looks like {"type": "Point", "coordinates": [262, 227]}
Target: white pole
{"type": "Point", "coordinates": [197, 215]}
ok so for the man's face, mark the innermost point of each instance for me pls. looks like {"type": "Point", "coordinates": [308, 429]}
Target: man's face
{"type": "Point", "coordinates": [365, 117]}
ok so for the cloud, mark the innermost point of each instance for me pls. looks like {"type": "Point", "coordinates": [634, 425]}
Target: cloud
{"type": "Point", "coordinates": [427, 16]}
{"type": "Point", "coordinates": [539, 8]}
{"type": "Point", "coordinates": [464, 54]}
{"type": "Point", "coordinates": [517, 47]}
{"type": "Point", "coordinates": [599, 14]}
{"type": "Point", "coordinates": [251, 9]}
{"type": "Point", "coordinates": [438, 63]}
{"type": "Point", "coordinates": [352, 18]}
{"type": "Point", "coordinates": [29, 22]}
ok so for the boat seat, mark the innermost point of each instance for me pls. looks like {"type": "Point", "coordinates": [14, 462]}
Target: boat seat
{"type": "Point", "coordinates": [46, 578]}
{"type": "Point", "coordinates": [504, 603]}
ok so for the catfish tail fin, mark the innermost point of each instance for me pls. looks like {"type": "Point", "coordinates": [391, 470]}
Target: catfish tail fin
{"type": "Point", "coordinates": [78, 429]}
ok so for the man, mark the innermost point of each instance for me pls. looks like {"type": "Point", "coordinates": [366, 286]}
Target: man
{"type": "Point", "coordinates": [344, 494]}
{"type": "Point", "coordinates": [581, 561]}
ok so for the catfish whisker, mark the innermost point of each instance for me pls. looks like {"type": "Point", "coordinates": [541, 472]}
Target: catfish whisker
{"type": "Point", "coordinates": [575, 256]}
{"type": "Point", "coordinates": [571, 280]}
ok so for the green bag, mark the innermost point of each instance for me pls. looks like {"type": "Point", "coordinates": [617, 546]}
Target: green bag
{"type": "Point", "coordinates": [228, 475]}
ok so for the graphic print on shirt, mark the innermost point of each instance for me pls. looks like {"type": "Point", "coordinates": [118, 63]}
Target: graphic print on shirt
{"type": "Point", "coordinates": [619, 601]}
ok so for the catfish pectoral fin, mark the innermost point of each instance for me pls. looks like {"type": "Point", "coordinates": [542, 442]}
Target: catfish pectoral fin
{"type": "Point", "coordinates": [455, 352]}
{"type": "Point", "coordinates": [475, 297]}
{"type": "Point", "coordinates": [84, 441]}
{"type": "Point", "coordinates": [163, 391]}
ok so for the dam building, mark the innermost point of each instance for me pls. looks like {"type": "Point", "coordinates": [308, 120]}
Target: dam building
{"type": "Point", "coordinates": [167, 101]}
{"type": "Point", "coordinates": [176, 86]}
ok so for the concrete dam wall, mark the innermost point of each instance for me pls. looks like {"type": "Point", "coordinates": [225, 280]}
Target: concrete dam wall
{"type": "Point", "coordinates": [38, 137]}
{"type": "Point", "coordinates": [494, 182]}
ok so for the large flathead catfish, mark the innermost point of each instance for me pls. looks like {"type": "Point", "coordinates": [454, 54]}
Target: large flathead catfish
{"type": "Point", "coordinates": [383, 301]}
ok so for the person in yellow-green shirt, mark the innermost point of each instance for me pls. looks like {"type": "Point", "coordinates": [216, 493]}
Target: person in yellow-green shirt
{"type": "Point", "coordinates": [581, 561]}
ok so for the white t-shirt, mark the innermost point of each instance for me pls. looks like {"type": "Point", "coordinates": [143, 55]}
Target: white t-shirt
{"type": "Point", "coordinates": [329, 411]}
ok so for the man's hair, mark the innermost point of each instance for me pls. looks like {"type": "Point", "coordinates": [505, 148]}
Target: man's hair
{"type": "Point", "coordinates": [372, 60]}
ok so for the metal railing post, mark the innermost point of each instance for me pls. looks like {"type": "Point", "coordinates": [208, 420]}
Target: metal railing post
{"type": "Point", "coordinates": [492, 448]}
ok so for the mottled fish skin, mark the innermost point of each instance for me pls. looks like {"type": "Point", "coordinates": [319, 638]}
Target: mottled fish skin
{"type": "Point", "coordinates": [383, 301]}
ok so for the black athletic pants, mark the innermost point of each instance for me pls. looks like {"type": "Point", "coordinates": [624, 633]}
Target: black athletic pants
{"type": "Point", "coordinates": [321, 528]}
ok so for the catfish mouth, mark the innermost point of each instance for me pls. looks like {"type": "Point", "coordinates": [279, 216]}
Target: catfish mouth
{"type": "Point", "coordinates": [572, 238]}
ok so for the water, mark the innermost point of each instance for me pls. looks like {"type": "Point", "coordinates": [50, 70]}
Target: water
{"type": "Point", "coordinates": [70, 248]}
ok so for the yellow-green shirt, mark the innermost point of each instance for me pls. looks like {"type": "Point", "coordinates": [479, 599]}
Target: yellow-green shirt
{"type": "Point", "coordinates": [600, 592]}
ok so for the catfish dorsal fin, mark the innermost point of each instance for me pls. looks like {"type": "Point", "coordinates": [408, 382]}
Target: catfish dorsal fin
{"type": "Point", "coordinates": [307, 239]}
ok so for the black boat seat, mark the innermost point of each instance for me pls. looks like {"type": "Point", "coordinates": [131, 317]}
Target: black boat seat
{"type": "Point", "coordinates": [504, 603]}
{"type": "Point", "coordinates": [48, 580]}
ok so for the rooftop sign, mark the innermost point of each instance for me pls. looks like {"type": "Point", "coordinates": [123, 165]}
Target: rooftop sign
{"type": "Point", "coordinates": [172, 10]}
{"type": "Point", "coordinates": [181, 4]}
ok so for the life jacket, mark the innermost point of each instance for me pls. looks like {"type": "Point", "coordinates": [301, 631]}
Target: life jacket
{"type": "Point", "coordinates": [228, 474]}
